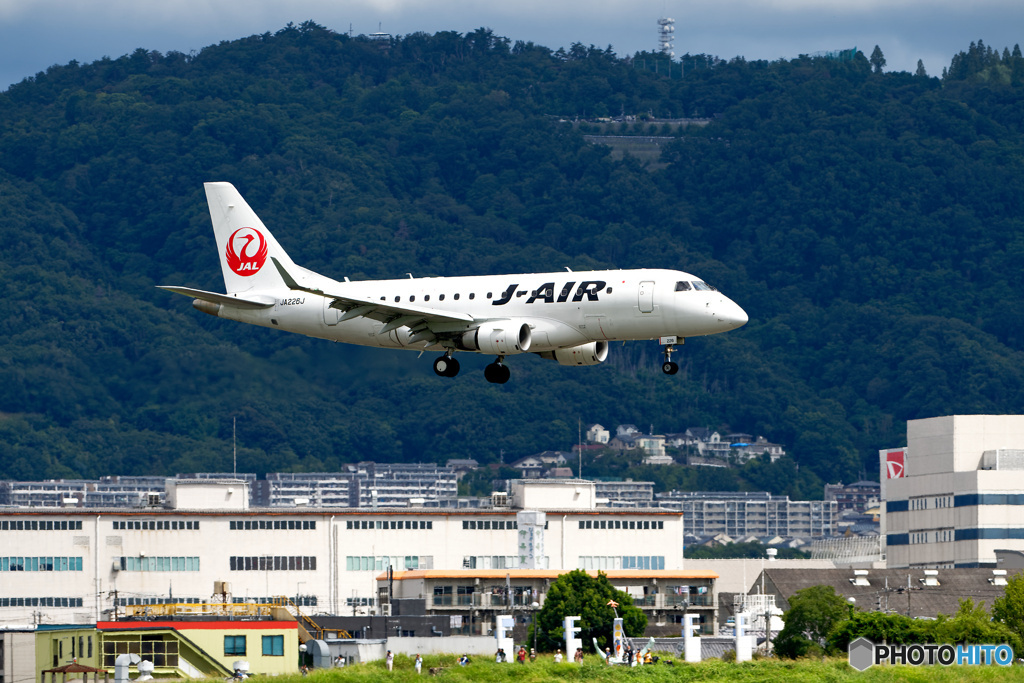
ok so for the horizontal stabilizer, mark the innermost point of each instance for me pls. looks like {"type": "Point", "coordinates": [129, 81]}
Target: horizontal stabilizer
{"type": "Point", "coordinates": [249, 301]}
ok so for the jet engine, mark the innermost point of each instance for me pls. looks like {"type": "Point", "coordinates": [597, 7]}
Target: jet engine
{"type": "Point", "coordinates": [584, 354]}
{"type": "Point", "coordinates": [501, 338]}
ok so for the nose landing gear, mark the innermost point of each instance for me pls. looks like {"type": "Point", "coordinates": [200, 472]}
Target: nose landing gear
{"type": "Point", "coordinates": [496, 372]}
{"type": "Point", "coordinates": [446, 365]}
{"type": "Point", "coordinates": [668, 367]}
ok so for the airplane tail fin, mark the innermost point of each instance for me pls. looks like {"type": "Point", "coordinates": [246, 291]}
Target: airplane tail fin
{"type": "Point", "coordinates": [243, 242]}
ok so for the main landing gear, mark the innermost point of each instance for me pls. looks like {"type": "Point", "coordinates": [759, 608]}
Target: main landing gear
{"type": "Point", "coordinates": [668, 367]}
{"type": "Point", "coordinates": [496, 372]}
{"type": "Point", "coordinates": [446, 365]}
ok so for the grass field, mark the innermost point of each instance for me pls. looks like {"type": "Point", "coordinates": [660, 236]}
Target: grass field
{"type": "Point", "coordinates": [481, 670]}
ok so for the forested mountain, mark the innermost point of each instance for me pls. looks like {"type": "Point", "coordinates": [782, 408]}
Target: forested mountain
{"type": "Point", "coordinates": [869, 223]}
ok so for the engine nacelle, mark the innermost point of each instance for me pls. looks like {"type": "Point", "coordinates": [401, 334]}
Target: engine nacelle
{"type": "Point", "coordinates": [501, 337]}
{"type": "Point", "coordinates": [584, 354]}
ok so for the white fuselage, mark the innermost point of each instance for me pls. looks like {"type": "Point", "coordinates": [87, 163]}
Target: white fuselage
{"type": "Point", "coordinates": [562, 309]}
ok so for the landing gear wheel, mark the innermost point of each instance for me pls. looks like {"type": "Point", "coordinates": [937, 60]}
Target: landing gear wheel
{"type": "Point", "coordinates": [446, 366]}
{"type": "Point", "coordinates": [496, 373]}
{"type": "Point", "coordinates": [668, 367]}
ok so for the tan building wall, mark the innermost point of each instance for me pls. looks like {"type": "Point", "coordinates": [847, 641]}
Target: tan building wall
{"type": "Point", "coordinates": [945, 509]}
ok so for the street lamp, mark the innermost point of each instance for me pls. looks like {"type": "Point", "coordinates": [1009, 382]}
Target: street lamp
{"type": "Point", "coordinates": [852, 602]}
{"type": "Point", "coordinates": [534, 605]}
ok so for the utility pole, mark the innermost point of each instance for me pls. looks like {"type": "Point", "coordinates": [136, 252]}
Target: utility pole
{"type": "Point", "coordinates": [113, 594]}
{"type": "Point", "coordinates": [579, 436]}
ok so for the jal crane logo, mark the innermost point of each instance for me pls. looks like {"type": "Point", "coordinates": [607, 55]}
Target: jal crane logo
{"type": "Point", "coordinates": [246, 252]}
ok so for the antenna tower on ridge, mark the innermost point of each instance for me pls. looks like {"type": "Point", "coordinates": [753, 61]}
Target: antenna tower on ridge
{"type": "Point", "coordinates": [666, 34]}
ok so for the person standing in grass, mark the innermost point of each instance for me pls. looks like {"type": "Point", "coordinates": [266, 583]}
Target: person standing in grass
{"type": "Point", "coordinates": [558, 656]}
{"type": "Point", "coordinates": [389, 661]}
{"type": "Point", "coordinates": [418, 664]}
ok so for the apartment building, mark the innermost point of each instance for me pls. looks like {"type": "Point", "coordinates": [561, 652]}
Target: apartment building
{"type": "Point", "coordinates": [750, 514]}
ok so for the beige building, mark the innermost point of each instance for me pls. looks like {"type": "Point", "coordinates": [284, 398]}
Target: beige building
{"type": "Point", "coordinates": [954, 495]}
{"type": "Point", "coordinates": [474, 598]}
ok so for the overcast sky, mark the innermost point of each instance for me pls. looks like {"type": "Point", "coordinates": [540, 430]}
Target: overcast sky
{"type": "Point", "coordinates": [35, 34]}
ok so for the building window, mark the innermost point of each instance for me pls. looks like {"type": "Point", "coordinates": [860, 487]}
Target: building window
{"type": "Point", "coordinates": [266, 563]}
{"type": "Point", "coordinates": [356, 563]}
{"type": "Point", "coordinates": [158, 564]}
{"type": "Point", "coordinates": [273, 646]}
{"type": "Point", "coordinates": [234, 646]}
{"type": "Point", "coordinates": [40, 564]}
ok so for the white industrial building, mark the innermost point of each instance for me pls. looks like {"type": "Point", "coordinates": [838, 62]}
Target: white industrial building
{"type": "Point", "coordinates": [75, 565]}
{"type": "Point", "coordinates": [952, 497]}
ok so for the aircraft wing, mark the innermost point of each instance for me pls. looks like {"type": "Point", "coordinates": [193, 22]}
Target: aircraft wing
{"type": "Point", "coordinates": [424, 322]}
{"type": "Point", "coordinates": [250, 301]}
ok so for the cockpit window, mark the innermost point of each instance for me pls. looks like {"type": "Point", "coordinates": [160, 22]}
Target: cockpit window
{"type": "Point", "coordinates": [701, 286]}
{"type": "Point", "coordinates": [682, 286]}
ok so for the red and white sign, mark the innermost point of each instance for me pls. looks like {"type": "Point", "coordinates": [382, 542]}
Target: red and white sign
{"type": "Point", "coordinates": [894, 464]}
{"type": "Point", "coordinates": [246, 252]}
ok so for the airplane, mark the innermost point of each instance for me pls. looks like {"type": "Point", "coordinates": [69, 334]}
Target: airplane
{"type": "Point", "coordinates": [569, 317]}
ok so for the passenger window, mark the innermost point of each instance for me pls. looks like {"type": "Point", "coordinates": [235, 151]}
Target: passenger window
{"type": "Point", "coordinates": [682, 286]}
{"type": "Point", "coordinates": [426, 297]}
{"type": "Point", "coordinates": [440, 297]}
{"type": "Point", "coordinates": [488, 295]}
{"type": "Point", "coordinates": [397, 299]}
{"type": "Point", "coordinates": [412, 298]}
{"type": "Point", "coordinates": [456, 297]}
{"type": "Point", "coordinates": [472, 295]}
{"type": "Point", "coordinates": [609, 290]}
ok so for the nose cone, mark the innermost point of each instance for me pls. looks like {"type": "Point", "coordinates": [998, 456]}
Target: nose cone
{"type": "Point", "coordinates": [730, 315]}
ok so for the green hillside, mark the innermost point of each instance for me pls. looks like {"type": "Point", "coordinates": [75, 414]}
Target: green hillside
{"type": "Point", "coordinates": [869, 223]}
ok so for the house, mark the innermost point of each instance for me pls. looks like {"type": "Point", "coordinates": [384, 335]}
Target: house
{"type": "Point", "coordinates": [704, 441]}
{"type": "Point", "coordinates": [462, 466]}
{"type": "Point", "coordinates": [560, 473]}
{"type": "Point", "coordinates": [531, 466]}
{"type": "Point", "coordinates": [626, 430]}
{"type": "Point", "coordinates": [856, 496]}
{"type": "Point", "coordinates": [597, 434]}
{"type": "Point", "coordinates": [651, 444]}
{"type": "Point", "coordinates": [623, 442]}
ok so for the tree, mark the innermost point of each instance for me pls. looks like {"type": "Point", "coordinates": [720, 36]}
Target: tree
{"type": "Point", "coordinates": [812, 614]}
{"type": "Point", "coordinates": [920, 69]}
{"type": "Point", "coordinates": [579, 594]}
{"type": "Point", "coordinates": [877, 59]}
{"type": "Point", "coordinates": [879, 627]}
{"type": "Point", "coordinates": [973, 624]}
{"type": "Point", "coordinates": [1009, 609]}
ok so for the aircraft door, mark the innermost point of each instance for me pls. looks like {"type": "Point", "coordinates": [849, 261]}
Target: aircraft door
{"type": "Point", "coordinates": [331, 315]}
{"type": "Point", "coordinates": [646, 297]}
